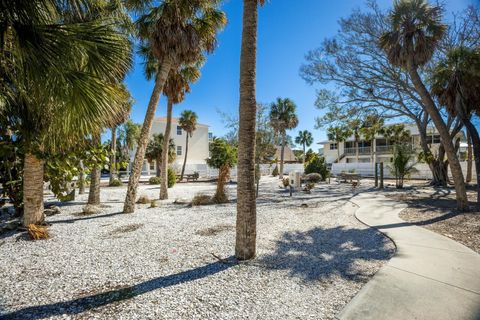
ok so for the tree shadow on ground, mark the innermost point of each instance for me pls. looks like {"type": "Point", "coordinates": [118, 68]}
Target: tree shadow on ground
{"type": "Point", "coordinates": [79, 305]}
{"type": "Point", "coordinates": [321, 253]}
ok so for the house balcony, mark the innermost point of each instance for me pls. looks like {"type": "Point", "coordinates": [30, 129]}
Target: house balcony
{"type": "Point", "coordinates": [384, 149]}
{"type": "Point", "coordinates": [361, 151]}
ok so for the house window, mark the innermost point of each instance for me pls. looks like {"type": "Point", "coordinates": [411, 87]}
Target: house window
{"type": "Point", "coordinates": [152, 166]}
{"type": "Point", "coordinates": [210, 136]}
{"type": "Point", "coordinates": [179, 131]}
{"type": "Point", "coordinates": [434, 139]}
{"type": "Point", "coordinates": [179, 150]}
{"type": "Point", "coordinates": [333, 146]}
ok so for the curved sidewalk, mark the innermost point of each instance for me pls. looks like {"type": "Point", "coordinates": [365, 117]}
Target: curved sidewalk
{"type": "Point", "coordinates": [429, 277]}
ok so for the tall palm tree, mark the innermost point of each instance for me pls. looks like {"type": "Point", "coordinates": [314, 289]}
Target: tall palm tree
{"type": "Point", "coordinates": [416, 30]}
{"type": "Point", "coordinates": [188, 122]}
{"type": "Point", "coordinates": [338, 134]}
{"type": "Point", "coordinates": [456, 83]}
{"type": "Point", "coordinates": [282, 118]}
{"type": "Point", "coordinates": [246, 230]}
{"type": "Point", "coordinates": [355, 126]}
{"type": "Point", "coordinates": [51, 98]}
{"type": "Point", "coordinates": [124, 113]}
{"type": "Point", "coordinates": [179, 33]}
{"type": "Point", "coordinates": [371, 126]}
{"type": "Point", "coordinates": [155, 150]}
{"type": "Point", "coordinates": [305, 139]}
{"type": "Point", "coordinates": [177, 86]}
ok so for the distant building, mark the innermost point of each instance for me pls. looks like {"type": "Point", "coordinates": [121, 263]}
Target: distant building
{"type": "Point", "coordinates": [198, 144]}
{"type": "Point", "coordinates": [288, 155]}
{"type": "Point", "coordinates": [346, 152]}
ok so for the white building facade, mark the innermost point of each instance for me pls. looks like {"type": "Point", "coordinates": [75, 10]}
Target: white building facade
{"type": "Point", "coordinates": [198, 144]}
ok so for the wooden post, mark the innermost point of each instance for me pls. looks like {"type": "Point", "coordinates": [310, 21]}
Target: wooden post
{"type": "Point", "coordinates": [381, 175]}
{"type": "Point", "coordinates": [376, 175]}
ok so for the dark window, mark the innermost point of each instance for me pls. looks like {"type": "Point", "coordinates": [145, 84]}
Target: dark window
{"type": "Point", "coordinates": [333, 146]}
{"type": "Point", "coordinates": [179, 150]}
{"type": "Point", "coordinates": [179, 131]}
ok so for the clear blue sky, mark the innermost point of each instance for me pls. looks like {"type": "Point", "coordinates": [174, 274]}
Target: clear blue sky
{"type": "Point", "coordinates": [288, 29]}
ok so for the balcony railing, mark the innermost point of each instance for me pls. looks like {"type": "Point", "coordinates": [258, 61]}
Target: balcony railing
{"type": "Point", "coordinates": [361, 150]}
{"type": "Point", "coordinates": [384, 149]}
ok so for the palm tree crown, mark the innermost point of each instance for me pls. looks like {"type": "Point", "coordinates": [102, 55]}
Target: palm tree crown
{"type": "Point", "coordinates": [304, 138]}
{"type": "Point", "coordinates": [188, 121]}
{"type": "Point", "coordinates": [283, 115]}
{"type": "Point", "coordinates": [416, 30]}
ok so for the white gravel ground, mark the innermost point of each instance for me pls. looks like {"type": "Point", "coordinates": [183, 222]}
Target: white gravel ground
{"type": "Point", "coordinates": [157, 263]}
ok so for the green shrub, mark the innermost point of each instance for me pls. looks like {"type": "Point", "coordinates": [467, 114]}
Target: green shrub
{"type": "Point", "coordinates": [116, 183]}
{"type": "Point", "coordinates": [308, 187]}
{"type": "Point", "coordinates": [313, 177]}
{"type": "Point", "coordinates": [154, 180]}
{"type": "Point", "coordinates": [275, 171]}
{"type": "Point", "coordinates": [172, 178]}
{"type": "Point", "coordinates": [317, 165]}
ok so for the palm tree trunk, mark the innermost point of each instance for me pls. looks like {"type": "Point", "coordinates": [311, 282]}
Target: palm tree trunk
{"type": "Point", "coordinates": [159, 166]}
{"type": "Point", "coordinates": [438, 176]}
{"type": "Point", "coordinates": [282, 156]}
{"type": "Point", "coordinates": [476, 150]}
{"type": "Point", "coordinates": [32, 190]}
{"type": "Point", "coordinates": [166, 139]}
{"type": "Point", "coordinates": [129, 205]}
{"type": "Point", "coordinates": [429, 105]}
{"type": "Point", "coordinates": [469, 158]}
{"type": "Point", "coordinates": [356, 150]}
{"type": "Point", "coordinates": [338, 152]}
{"type": "Point", "coordinates": [94, 193]}
{"type": "Point", "coordinates": [81, 178]}
{"type": "Point", "coordinates": [220, 196]}
{"type": "Point", "coordinates": [303, 162]}
{"type": "Point", "coordinates": [113, 156]}
{"type": "Point", "coordinates": [185, 159]}
{"type": "Point", "coordinates": [246, 224]}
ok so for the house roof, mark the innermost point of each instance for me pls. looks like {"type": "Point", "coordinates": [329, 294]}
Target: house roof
{"type": "Point", "coordinates": [288, 155]}
{"type": "Point", "coordinates": [176, 120]}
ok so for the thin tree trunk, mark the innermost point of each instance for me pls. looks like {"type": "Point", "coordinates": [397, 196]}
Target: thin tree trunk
{"type": "Point", "coordinates": [220, 195]}
{"type": "Point", "coordinates": [33, 190]}
{"type": "Point", "coordinates": [429, 104]}
{"type": "Point", "coordinates": [338, 152]}
{"type": "Point", "coordinates": [282, 156]}
{"type": "Point", "coordinates": [129, 205]}
{"type": "Point", "coordinates": [303, 155]}
{"type": "Point", "coordinates": [94, 193]}
{"type": "Point", "coordinates": [439, 178]}
{"type": "Point", "coordinates": [476, 151]}
{"type": "Point", "coordinates": [159, 165]}
{"type": "Point", "coordinates": [166, 138]}
{"type": "Point", "coordinates": [113, 156]}
{"type": "Point", "coordinates": [356, 150]}
{"type": "Point", "coordinates": [246, 224]}
{"type": "Point", "coordinates": [185, 159]}
{"type": "Point", "coordinates": [81, 178]}
{"type": "Point", "coordinates": [469, 158]}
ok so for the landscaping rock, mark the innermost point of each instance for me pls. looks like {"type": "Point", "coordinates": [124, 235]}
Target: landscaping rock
{"type": "Point", "coordinates": [53, 210]}
{"type": "Point", "coordinates": [91, 209]}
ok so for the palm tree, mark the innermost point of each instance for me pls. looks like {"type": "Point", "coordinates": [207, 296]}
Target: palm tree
{"type": "Point", "coordinates": [178, 33]}
{"type": "Point", "coordinates": [177, 86]}
{"type": "Point", "coordinates": [155, 150]}
{"type": "Point", "coordinates": [305, 139]}
{"type": "Point", "coordinates": [223, 156]}
{"type": "Point", "coordinates": [282, 118]}
{"type": "Point", "coordinates": [338, 134]}
{"type": "Point", "coordinates": [355, 126]}
{"type": "Point", "coordinates": [372, 126]}
{"type": "Point", "coordinates": [51, 98]}
{"type": "Point", "coordinates": [416, 30]}
{"type": "Point", "coordinates": [246, 230]}
{"type": "Point", "coordinates": [456, 83]}
{"type": "Point", "coordinates": [188, 122]}
{"type": "Point", "coordinates": [124, 113]}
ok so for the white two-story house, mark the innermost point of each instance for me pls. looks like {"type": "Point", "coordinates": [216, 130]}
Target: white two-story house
{"type": "Point", "coordinates": [378, 150]}
{"type": "Point", "coordinates": [198, 144]}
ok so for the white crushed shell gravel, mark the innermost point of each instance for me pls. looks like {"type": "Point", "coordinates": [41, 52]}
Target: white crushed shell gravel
{"type": "Point", "coordinates": [157, 263]}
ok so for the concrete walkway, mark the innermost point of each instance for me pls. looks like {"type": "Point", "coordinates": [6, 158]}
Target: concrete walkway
{"type": "Point", "coordinates": [429, 277]}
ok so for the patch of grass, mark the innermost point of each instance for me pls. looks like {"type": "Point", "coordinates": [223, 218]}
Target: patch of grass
{"type": "Point", "coordinates": [202, 200]}
{"type": "Point", "coordinates": [127, 228]}
{"type": "Point", "coordinates": [37, 232]}
{"type": "Point", "coordinates": [213, 231]}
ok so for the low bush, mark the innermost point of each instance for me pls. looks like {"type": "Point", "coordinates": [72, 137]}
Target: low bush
{"type": "Point", "coordinates": [313, 177]}
{"type": "Point", "coordinates": [116, 183]}
{"type": "Point", "coordinates": [308, 187]}
{"type": "Point", "coordinates": [154, 180]}
{"type": "Point", "coordinates": [153, 204]}
{"type": "Point", "coordinates": [37, 232]}
{"type": "Point", "coordinates": [144, 200]}
{"type": "Point", "coordinates": [201, 200]}
{"type": "Point", "coordinates": [172, 178]}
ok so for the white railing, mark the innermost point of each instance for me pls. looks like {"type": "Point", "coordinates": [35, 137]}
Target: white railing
{"type": "Point", "coordinates": [368, 170]}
